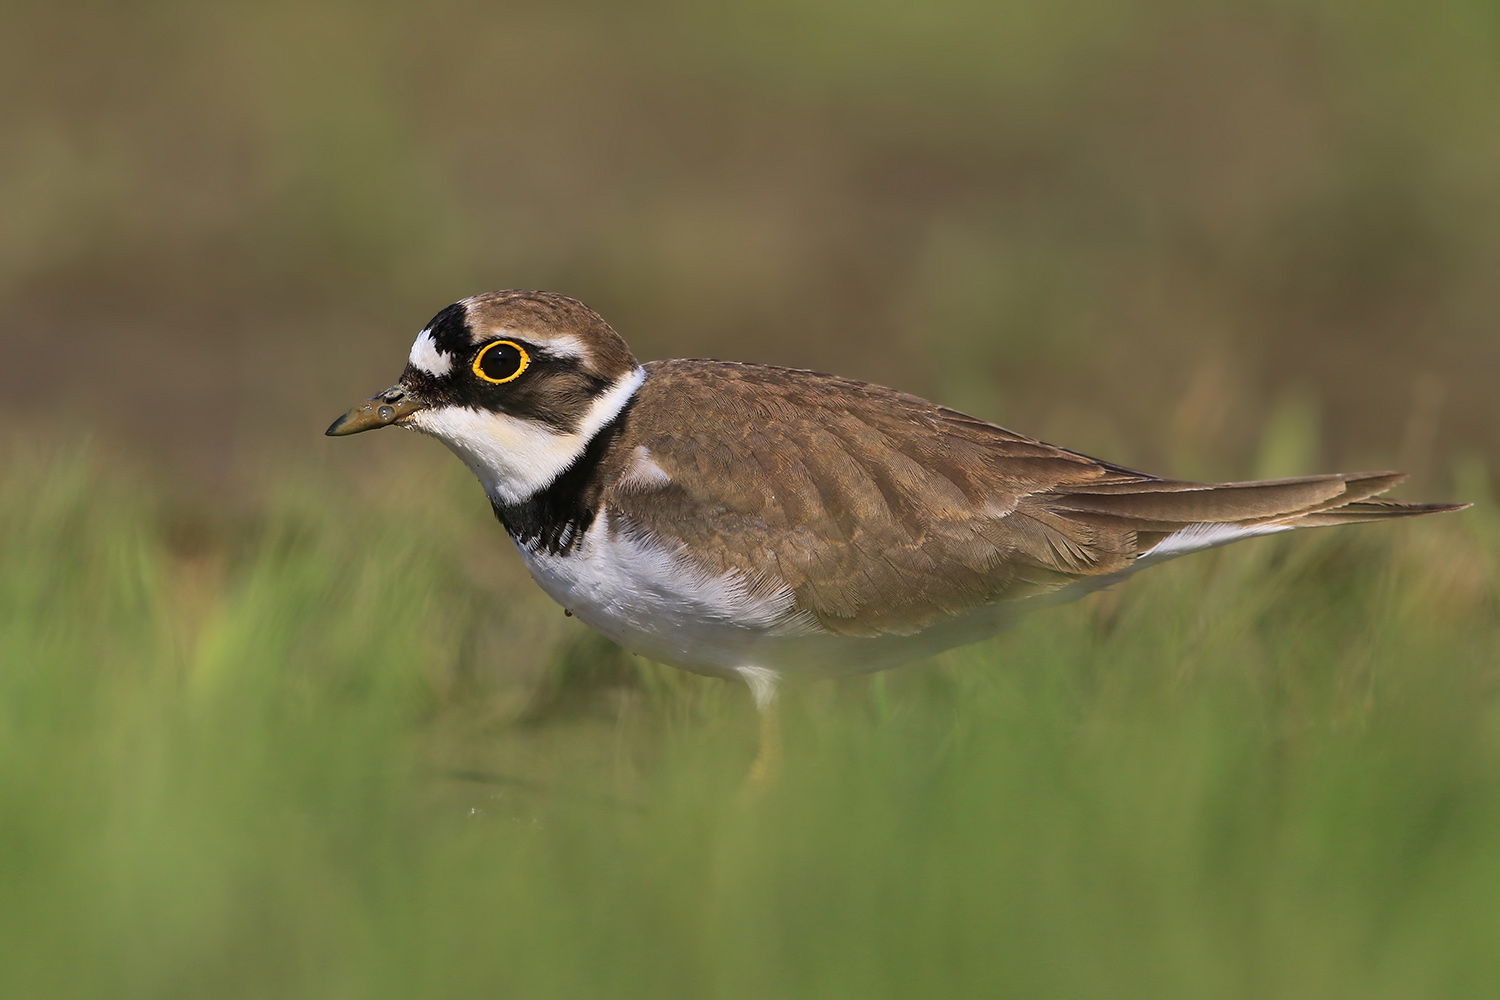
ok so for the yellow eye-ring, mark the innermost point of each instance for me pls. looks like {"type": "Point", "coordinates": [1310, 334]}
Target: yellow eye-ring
{"type": "Point", "coordinates": [501, 361]}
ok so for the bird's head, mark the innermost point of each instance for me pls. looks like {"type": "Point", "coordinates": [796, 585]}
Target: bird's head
{"type": "Point", "coordinates": [515, 383]}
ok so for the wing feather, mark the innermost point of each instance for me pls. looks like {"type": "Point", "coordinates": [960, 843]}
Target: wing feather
{"type": "Point", "coordinates": [885, 513]}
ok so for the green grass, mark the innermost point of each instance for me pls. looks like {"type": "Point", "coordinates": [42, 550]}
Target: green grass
{"type": "Point", "coordinates": [309, 753]}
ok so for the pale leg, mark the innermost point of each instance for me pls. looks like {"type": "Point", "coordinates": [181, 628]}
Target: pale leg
{"type": "Point", "coordinates": [767, 764]}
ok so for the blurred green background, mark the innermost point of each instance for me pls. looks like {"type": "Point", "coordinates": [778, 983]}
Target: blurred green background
{"type": "Point", "coordinates": [281, 716]}
{"type": "Point", "coordinates": [1136, 225]}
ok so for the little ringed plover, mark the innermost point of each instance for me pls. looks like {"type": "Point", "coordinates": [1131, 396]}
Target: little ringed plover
{"type": "Point", "coordinates": [750, 521]}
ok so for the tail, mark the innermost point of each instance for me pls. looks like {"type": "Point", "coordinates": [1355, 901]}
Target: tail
{"type": "Point", "coordinates": [1170, 518]}
{"type": "Point", "coordinates": [1369, 510]}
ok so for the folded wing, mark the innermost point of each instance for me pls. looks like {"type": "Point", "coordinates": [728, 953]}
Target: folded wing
{"type": "Point", "coordinates": [885, 513]}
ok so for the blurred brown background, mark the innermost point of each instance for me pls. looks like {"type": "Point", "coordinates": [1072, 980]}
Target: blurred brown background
{"type": "Point", "coordinates": [1141, 230]}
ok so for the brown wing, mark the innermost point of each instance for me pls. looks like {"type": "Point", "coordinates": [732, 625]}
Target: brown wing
{"type": "Point", "coordinates": [885, 513]}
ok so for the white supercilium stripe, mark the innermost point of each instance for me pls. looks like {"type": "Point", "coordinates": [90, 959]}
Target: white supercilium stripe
{"type": "Point", "coordinates": [512, 456]}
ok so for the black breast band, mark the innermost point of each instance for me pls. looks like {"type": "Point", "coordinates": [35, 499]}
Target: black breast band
{"type": "Point", "coordinates": [555, 518]}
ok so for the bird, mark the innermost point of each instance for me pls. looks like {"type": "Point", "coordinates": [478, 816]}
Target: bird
{"type": "Point", "coordinates": [758, 523]}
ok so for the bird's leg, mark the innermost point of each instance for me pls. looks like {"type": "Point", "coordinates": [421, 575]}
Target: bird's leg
{"type": "Point", "coordinates": [766, 767]}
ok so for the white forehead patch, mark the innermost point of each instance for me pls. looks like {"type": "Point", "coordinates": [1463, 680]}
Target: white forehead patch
{"type": "Point", "coordinates": [426, 356]}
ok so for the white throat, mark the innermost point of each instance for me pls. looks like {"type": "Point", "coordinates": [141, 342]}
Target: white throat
{"type": "Point", "coordinates": [515, 457]}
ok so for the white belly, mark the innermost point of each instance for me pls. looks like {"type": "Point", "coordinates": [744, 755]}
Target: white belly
{"type": "Point", "coordinates": [655, 601]}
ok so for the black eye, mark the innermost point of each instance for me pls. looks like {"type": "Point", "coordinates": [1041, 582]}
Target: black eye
{"type": "Point", "coordinates": [501, 361]}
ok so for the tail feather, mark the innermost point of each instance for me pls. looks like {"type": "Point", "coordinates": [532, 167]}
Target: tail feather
{"type": "Point", "coordinates": [1171, 518]}
{"type": "Point", "coordinates": [1368, 510]}
{"type": "Point", "coordinates": [1157, 505]}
